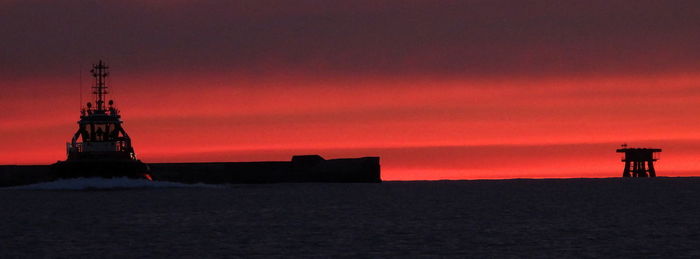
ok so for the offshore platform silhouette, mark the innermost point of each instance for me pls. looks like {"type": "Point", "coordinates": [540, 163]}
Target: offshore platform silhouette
{"type": "Point", "coordinates": [639, 162]}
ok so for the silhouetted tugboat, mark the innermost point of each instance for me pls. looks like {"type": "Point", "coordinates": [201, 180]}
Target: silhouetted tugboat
{"type": "Point", "coordinates": [100, 147]}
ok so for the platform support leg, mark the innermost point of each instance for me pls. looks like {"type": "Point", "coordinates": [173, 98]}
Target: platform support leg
{"type": "Point", "coordinates": [638, 169]}
{"type": "Point", "coordinates": [652, 172]}
{"type": "Point", "coordinates": [626, 172]}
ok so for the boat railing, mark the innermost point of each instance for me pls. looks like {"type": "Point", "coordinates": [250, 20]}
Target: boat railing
{"type": "Point", "coordinates": [74, 147]}
{"type": "Point", "coordinates": [79, 147]}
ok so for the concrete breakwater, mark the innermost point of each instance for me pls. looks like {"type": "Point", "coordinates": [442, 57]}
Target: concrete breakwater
{"type": "Point", "coordinates": [310, 168]}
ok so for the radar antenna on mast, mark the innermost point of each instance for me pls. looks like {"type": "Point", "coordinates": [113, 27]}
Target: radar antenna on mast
{"type": "Point", "coordinates": [99, 72]}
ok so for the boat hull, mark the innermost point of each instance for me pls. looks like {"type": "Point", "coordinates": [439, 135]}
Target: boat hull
{"type": "Point", "coordinates": [99, 168]}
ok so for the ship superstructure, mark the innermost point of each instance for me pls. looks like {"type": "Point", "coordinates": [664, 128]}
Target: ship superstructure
{"type": "Point", "coordinates": [100, 133]}
{"type": "Point", "coordinates": [100, 146]}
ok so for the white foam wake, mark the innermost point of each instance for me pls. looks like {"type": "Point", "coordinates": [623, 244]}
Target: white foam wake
{"type": "Point", "coordinates": [107, 184]}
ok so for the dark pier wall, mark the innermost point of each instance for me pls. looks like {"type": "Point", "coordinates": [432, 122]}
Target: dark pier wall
{"type": "Point", "coordinates": [11, 175]}
{"type": "Point", "coordinates": [300, 169]}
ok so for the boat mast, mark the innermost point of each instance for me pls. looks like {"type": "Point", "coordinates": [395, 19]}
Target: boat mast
{"type": "Point", "coordinates": [99, 72]}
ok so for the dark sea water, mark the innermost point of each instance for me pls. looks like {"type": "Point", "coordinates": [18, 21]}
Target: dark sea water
{"type": "Point", "coordinates": [504, 218]}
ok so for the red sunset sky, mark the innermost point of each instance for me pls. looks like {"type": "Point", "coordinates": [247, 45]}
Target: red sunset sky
{"type": "Point", "coordinates": [438, 89]}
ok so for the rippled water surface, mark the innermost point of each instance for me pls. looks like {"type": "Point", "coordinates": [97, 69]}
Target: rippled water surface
{"type": "Point", "coordinates": [533, 218]}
